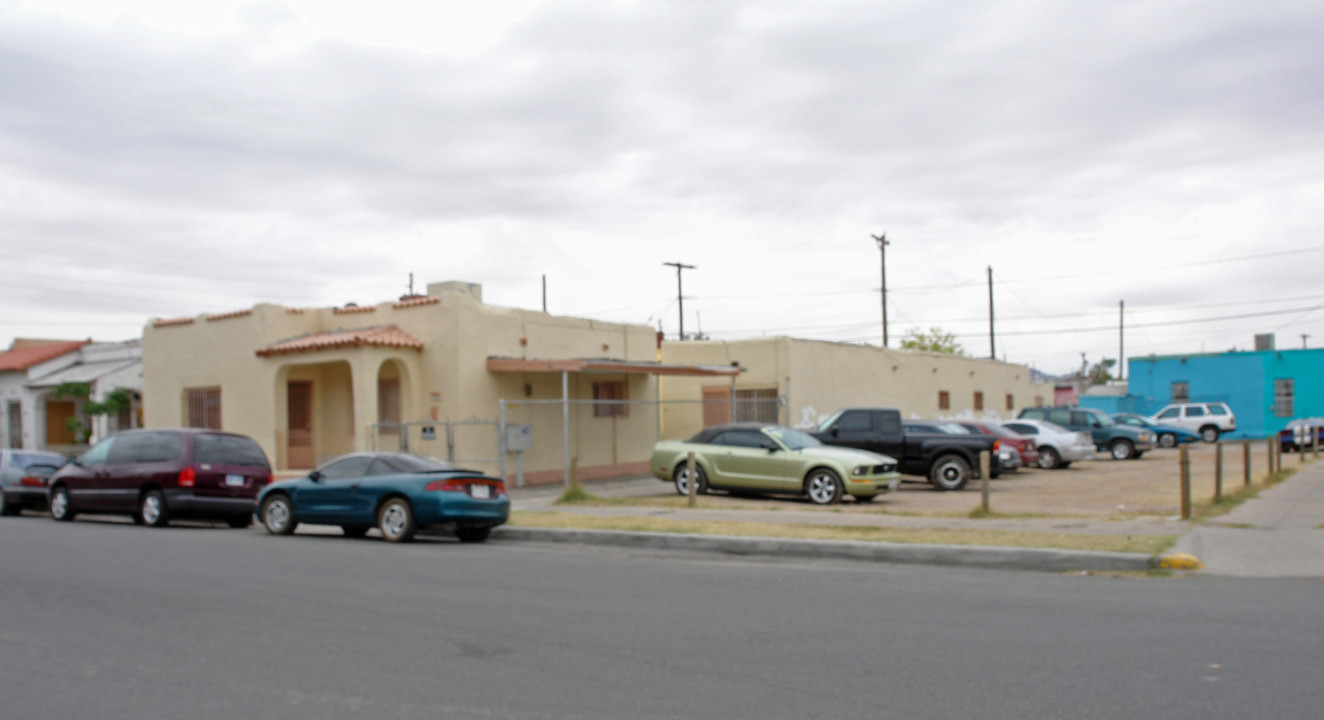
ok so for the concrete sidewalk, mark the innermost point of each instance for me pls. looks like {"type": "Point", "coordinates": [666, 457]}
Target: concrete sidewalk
{"type": "Point", "coordinates": [1277, 534]}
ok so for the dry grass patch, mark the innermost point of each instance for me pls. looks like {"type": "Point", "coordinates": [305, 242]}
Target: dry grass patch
{"type": "Point", "coordinates": [1147, 544]}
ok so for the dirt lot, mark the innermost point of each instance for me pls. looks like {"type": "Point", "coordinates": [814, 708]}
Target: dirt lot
{"type": "Point", "coordinates": [1103, 488]}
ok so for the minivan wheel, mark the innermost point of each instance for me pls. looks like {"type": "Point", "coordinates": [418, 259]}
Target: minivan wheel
{"type": "Point", "coordinates": [152, 509]}
{"type": "Point", "coordinates": [1209, 434]}
{"type": "Point", "coordinates": [950, 472]}
{"type": "Point", "coordinates": [1121, 449]}
{"type": "Point", "coordinates": [396, 520]}
{"type": "Point", "coordinates": [278, 515]}
{"type": "Point", "coordinates": [61, 508]}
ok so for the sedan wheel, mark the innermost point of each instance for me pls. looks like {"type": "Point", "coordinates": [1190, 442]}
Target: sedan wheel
{"type": "Point", "coordinates": [824, 487]}
{"type": "Point", "coordinates": [1167, 440]}
{"type": "Point", "coordinates": [1049, 459]}
{"type": "Point", "coordinates": [61, 508]}
{"type": "Point", "coordinates": [278, 515]}
{"type": "Point", "coordinates": [152, 509]}
{"type": "Point", "coordinates": [682, 479]}
{"type": "Point", "coordinates": [396, 520]}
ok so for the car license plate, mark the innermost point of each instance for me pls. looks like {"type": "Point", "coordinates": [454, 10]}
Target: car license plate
{"type": "Point", "coordinates": [234, 480]}
{"type": "Point", "coordinates": [482, 492]}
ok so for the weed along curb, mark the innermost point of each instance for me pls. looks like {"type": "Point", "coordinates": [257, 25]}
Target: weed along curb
{"type": "Point", "coordinates": [1006, 558]}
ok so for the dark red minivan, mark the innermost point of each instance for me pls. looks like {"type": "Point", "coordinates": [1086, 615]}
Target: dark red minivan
{"type": "Point", "coordinates": [163, 474]}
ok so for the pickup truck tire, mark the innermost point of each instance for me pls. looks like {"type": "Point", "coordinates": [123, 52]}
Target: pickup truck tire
{"type": "Point", "coordinates": [1049, 459]}
{"type": "Point", "coordinates": [1122, 449]}
{"type": "Point", "coordinates": [824, 487]}
{"type": "Point", "coordinates": [949, 472]}
{"type": "Point", "coordinates": [681, 477]}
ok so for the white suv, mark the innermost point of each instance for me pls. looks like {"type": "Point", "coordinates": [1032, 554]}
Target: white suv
{"type": "Point", "coordinates": [1208, 419]}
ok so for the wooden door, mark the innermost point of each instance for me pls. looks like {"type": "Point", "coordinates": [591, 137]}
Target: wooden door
{"type": "Point", "coordinates": [299, 449]}
{"type": "Point", "coordinates": [58, 414]}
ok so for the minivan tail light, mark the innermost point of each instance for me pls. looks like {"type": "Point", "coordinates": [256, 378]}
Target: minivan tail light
{"type": "Point", "coordinates": [187, 477]}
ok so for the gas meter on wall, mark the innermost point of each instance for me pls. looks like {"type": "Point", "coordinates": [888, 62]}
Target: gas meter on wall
{"type": "Point", "coordinates": [519, 438]}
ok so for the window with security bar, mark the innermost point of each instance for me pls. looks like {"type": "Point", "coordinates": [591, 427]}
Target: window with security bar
{"type": "Point", "coordinates": [756, 405]}
{"type": "Point", "coordinates": [1284, 390]}
{"type": "Point", "coordinates": [204, 407]}
{"type": "Point", "coordinates": [1181, 392]}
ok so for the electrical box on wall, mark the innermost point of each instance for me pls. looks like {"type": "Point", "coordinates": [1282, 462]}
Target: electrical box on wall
{"type": "Point", "coordinates": [519, 438]}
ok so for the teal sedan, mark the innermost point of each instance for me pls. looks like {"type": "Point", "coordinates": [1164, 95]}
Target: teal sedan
{"type": "Point", "coordinates": [394, 492]}
{"type": "Point", "coordinates": [760, 458]}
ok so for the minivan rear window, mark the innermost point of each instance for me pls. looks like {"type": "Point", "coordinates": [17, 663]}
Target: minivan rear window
{"type": "Point", "coordinates": [211, 449]}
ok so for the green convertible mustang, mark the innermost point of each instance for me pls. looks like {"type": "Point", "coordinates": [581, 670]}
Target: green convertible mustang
{"type": "Point", "coordinates": [763, 458]}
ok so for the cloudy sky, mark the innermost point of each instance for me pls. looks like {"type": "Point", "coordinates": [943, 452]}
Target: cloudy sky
{"type": "Point", "coordinates": [165, 158]}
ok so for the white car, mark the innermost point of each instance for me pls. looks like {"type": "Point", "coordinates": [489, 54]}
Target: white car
{"type": "Point", "coordinates": [1208, 419]}
{"type": "Point", "coordinates": [1058, 446]}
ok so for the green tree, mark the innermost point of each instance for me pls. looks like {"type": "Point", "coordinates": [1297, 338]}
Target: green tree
{"type": "Point", "coordinates": [935, 340]}
{"type": "Point", "coordinates": [1101, 372]}
{"type": "Point", "coordinates": [116, 400]}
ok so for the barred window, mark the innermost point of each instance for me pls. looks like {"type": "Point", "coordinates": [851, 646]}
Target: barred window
{"type": "Point", "coordinates": [756, 405]}
{"type": "Point", "coordinates": [1181, 392]}
{"type": "Point", "coordinates": [1283, 391]}
{"type": "Point", "coordinates": [204, 407]}
{"type": "Point", "coordinates": [1011, 402]}
{"type": "Point", "coordinates": [979, 400]}
{"type": "Point", "coordinates": [944, 400]}
{"type": "Point", "coordinates": [610, 391]}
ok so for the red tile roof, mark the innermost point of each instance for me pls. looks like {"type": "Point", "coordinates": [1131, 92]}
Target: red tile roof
{"type": "Point", "coordinates": [377, 336]}
{"type": "Point", "coordinates": [25, 357]}
{"type": "Point", "coordinates": [348, 309]}
{"type": "Point", "coordinates": [172, 321]}
{"type": "Point", "coordinates": [416, 300]}
{"type": "Point", "coordinates": [228, 315]}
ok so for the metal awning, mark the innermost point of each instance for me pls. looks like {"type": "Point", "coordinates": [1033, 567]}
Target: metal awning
{"type": "Point", "coordinates": [82, 373]}
{"type": "Point", "coordinates": [590, 365]}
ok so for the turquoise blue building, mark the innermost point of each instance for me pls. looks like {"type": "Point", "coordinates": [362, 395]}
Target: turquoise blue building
{"type": "Point", "coordinates": [1264, 388]}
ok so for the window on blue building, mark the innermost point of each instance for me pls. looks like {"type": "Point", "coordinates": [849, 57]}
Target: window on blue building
{"type": "Point", "coordinates": [1181, 392]}
{"type": "Point", "coordinates": [1282, 397]}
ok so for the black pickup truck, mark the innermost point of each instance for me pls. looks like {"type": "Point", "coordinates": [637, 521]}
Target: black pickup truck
{"type": "Point", "coordinates": [946, 460]}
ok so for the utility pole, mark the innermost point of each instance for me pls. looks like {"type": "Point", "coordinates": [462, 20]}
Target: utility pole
{"type": "Point", "coordinates": [1121, 339]}
{"type": "Point", "coordinates": [1303, 340]}
{"type": "Point", "coordinates": [680, 296]}
{"type": "Point", "coordinates": [992, 350]}
{"type": "Point", "coordinates": [882, 250]}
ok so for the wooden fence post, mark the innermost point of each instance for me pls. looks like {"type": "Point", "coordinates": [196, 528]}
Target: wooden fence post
{"type": "Point", "coordinates": [1185, 483]}
{"type": "Point", "coordinates": [1218, 471]}
{"type": "Point", "coordinates": [1245, 460]}
{"type": "Point", "coordinates": [985, 470]}
{"type": "Point", "coordinates": [1269, 444]}
{"type": "Point", "coordinates": [692, 490]}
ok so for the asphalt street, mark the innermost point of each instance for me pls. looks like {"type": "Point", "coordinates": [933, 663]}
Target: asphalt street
{"type": "Point", "coordinates": [110, 620]}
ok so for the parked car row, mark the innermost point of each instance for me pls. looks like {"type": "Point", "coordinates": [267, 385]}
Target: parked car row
{"type": "Point", "coordinates": [155, 476]}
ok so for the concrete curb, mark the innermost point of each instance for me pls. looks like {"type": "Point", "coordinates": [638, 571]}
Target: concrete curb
{"type": "Point", "coordinates": [1005, 558]}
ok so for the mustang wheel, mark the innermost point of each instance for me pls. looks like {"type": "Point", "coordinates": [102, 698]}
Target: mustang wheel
{"type": "Point", "coordinates": [950, 472]}
{"type": "Point", "coordinates": [824, 487]}
{"type": "Point", "coordinates": [152, 509]}
{"type": "Point", "coordinates": [1049, 459]}
{"type": "Point", "coordinates": [278, 515]}
{"type": "Point", "coordinates": [472, 534]}
{"type": "Point", "coordinates": [1167, 440]}
{"type": "Point", "coordinates": [682, 479]}
{"type": "Point", "coordinates": [1121, 449]}
{"type": "Point", "coordinates": [61, 508]}
{"type": "Point", "coordinates": [396, 520]}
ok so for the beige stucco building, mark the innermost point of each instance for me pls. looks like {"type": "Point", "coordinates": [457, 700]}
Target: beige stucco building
{"type": "Point", "coordinates": [801, 382]}
{"type": "Point", "coordinates": [427, 373]}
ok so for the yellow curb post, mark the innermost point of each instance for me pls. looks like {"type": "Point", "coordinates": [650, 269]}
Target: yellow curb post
{"type": "Point", "coordinates": [1178, 561]}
